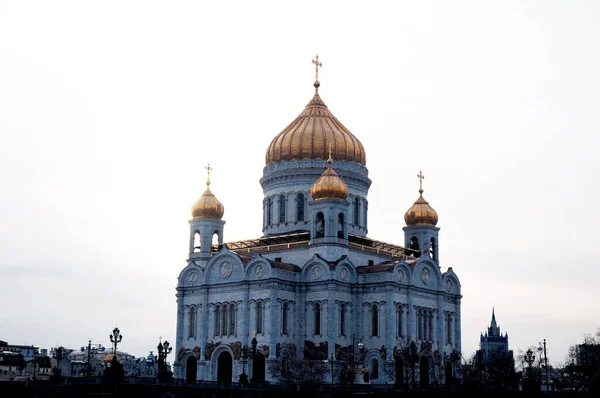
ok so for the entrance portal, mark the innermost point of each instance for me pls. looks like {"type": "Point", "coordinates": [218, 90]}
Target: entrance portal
{"type": "Point", "coordinates": [225, 368]}
{"type": "Point", "coordinates": [424, 372]}
{"type": "Point", "coordinates": [399, 371]}
{"type": "Point", "coordinates": [448, 373]}
{"type": "Point", "coordinates": [191, 370]}
{"type": "Point", "coordinates": [258, 367]}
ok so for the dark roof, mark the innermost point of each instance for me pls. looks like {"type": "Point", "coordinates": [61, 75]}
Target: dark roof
{"type": "Point", "coordinates": [373, 269]}
{"type": "Point", "coordinates": [286, 241]}
{"type": "Point", "coordinates": [12, 359]}
{"type": "Point", "coordinates": [285, 266]}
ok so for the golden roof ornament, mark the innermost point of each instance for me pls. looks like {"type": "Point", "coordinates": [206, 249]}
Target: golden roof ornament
{"type": "Point", "coordinates": [312, 132]}
{"type": "Point", "coordinates": [421, 213]}
{"type": "Point", "coordinates": [329, 185]}
{"type": "Point", "coordinates": [317, 66]}
{"type": "Point", "coordinates": [207, 206]}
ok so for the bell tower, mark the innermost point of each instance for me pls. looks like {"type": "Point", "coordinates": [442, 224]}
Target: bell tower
{"type": "Point", "coordinates": [206, 225]}
{"type": "Point", "coordinates": [421, 233]}
{"type": "Point", "coordinates": [329, 208]}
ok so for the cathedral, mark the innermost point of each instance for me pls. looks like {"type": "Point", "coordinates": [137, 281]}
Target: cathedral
{"type": "Point", "coordinates": [314, 286]}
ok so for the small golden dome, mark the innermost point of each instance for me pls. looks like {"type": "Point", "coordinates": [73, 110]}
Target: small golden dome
{"type": "Point", "coordinates": [329, 185]}
{"type": "Point", "coordinates": [109, 358]}
{"type": "Point", "coordinates": [311, 133]}
{"type": "Point", "coordinates": [421, 213]}
{"type": "Point", "coordinates": [207, 206]}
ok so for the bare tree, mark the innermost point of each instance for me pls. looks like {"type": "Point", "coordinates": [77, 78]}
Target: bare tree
{"type": "Point", "coordinates": [295, 371]}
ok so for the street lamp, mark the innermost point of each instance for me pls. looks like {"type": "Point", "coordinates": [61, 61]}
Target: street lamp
{"type": "Point", "coordinates": [244, 377]}
{"type": "Point", "coordinates": [330, 360]}
{"type": "Point", "coordinates": [540, 349]}
{"type": "Point", "coordinates": [58, 355]}
{"type": "Point", "coordinates": [96, 348]}
{"type": "Point", "coordinates": [254, 343]}
{"type": "Point", "coordinates": [115, 338]}
{"type": "Point", "coordinates": [164, 349]}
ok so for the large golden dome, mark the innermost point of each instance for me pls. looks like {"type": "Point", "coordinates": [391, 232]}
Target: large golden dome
{"type": "Point", "coordinates": [421, 213]}
{"type": "Point", "coordinates": [207, 206]}
{"type": "Point", "coordinates": [329, 185]}
{"type": "Point", "coordinates": [312, 133]}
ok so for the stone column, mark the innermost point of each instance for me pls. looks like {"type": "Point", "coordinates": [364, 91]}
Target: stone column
{"type": "Point", "coordinates": [458, 341]}
{"type": "Point", "coordinates": [179, 335]}
{"type": "Point", "coordinates": [412, 330]}
{"type": "Point", "coordinates": [453, 329]}
{"type": "Point", "coordinates": [440, 324]}
{"type": "Point", "coordinates": [274, 322]}
{"type": "Point", "coordinates": [300, 313]}
{"type": "Point", "coordinates": [331, 324]}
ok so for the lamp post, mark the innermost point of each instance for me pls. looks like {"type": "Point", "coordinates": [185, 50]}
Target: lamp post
{"type": "Point", "coordinates": [115, 338]}
{"type": "Point", "coordinates": [540, 349]}
{"type": "Point", "coordinates": [330, 360]}
{"type": "Point", "coordinates": [96, 348]}
{"type": "Point", "coordinates": [34, 360]}
{"type": "Point", "coordinates": [254, 343]}
{"type": "Point", "coordinates": [244, 377]}
{"type": "Point", "coordinates": [164, 349]}
{"type": "Point", "coordinates": [58, 355]}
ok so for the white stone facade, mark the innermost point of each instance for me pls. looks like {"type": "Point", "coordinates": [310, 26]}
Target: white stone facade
{"type": "Point", "coordinates": [312, 294]}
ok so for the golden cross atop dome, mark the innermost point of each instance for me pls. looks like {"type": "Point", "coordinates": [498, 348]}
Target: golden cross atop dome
{"type": "Point", "coordinates": [317, 66]}
{"type": "Point", "coordinates": [421, 178]}
{"type": "Point", "coordinates": [208, 170]}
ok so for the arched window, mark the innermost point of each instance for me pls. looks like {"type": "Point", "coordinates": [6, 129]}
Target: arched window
{"type": "Point", "coordinates": [281, 208]}
{"type": "Point", "coordinates": [448, 329]}
{"type": "Point", "coordinates": [374, 369]}
{"type": "Point", "coordinates": [197, 242]}
{"type": "Point", "coordinates": [342, 319]}
{"type": "Point", "coordinates": [192, 328]}
{"type": "Point", "coordinates": [356, 211]}
{"type": "Point", "coordinates": [320, 227]}
{"type": "Point", "coordinates": [317, 319]}
{"type": "Point", "coordinates": [300, 207]}
{"type": "Point", "coordinates": [375, 320]}
{"type": "Point", "coordinates": [224, 316]}
{"type": "Point", "coordinates": [232, 319]}
{"type": "Point", "coordinates": [284, 318]}
{"type": "Point", "coordinates": [259, 317]}
{"type": "Point", "coordinates": [414, 243]}
{"type": "Point", "coordinates": [217, 320]}
{"type": "Point", "coordinates": [215, 242]}
{"type": "Point", "coordinates": [399, 323]}
{"type": "Point", "coordinates": [340, 226]}
{"type": "Point", "coordinates": [432, 249]}
{"type": "Point", "coordinates": [269, 210]}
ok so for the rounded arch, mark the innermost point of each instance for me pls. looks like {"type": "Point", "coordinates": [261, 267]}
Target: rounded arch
{"type": "Point", "coordinates": [225, 367]}
{"type": "Point", "coordinates": [214, 273]}
{"type": "Point", "coordinates": [414, 243]}
{"type": "Point", "coordinates": [191, 275]}
{"type": "Point", "coordinates": [424, 371]}
{"type": "Point", "coordinates": [448, 377]}
{"type": "Point", "coordinates": [307, 269]}
{"type": "Point", "coordinates": [431, 278]}
{"type": "Point", "coordinates": [350, 270]}
{"type": "Point", "coordinates": [259, 367]}
{"type": "Point", "coordinates": [402, 273]}
{"type": "Point", "coordinates": [319, 225]}
{"type": "Point", "coordinates": [258, 268]}
{"type": "Point", "coordinates": [191, 369]}
{"type": "Point", "coordinates": [197, 241]}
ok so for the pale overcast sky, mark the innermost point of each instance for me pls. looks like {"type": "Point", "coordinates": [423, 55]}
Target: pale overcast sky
{"type": "Point", "coordinates": [110, 110]}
